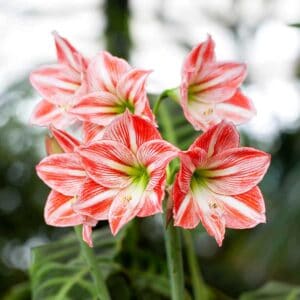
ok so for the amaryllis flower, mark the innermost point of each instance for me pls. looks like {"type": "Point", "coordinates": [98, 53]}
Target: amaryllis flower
{"type": "Point", "coordinates": [127, 169]}
{"type": "Point", "coordinates": [217, 183]}
{"type": "Point", "coordinates": [113, 87]}
{"type": "Point", "coordinates": [64, 173]}
{"type": "Point", "coordinates": [210, 92]}
{"type": "Point", "coordinates": [60, 85]}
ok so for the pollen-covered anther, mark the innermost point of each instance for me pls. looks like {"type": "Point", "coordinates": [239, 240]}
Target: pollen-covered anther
{"type": "Point", "coordinates": [208, 112]}
{"type": "Point", "coordinates": [213, 205]}
{"type": "Point", "coordinates": [65, 107]}
{"type": "Point", "coordinates": [127, 198]}
{"type": "Point", "coordinates": [73, 200]}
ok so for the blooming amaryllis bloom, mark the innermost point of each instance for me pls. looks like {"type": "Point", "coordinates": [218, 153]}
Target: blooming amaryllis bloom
{"type": "Point", "coordinates": [217, 183]}
{"type": "Point", "coordinates": [210, 92]}
{"type": "Point", "coordinates": [60, 85]}
{"type": "Point", "coordinates": [64, 173]}
{"type": "Point", "coordinates": [127, 171]}
{"type": "Point", "coordinates": [113, 88]}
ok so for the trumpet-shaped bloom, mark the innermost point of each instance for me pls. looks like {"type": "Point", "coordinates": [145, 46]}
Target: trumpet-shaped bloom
{"type": "Point", "coordinates": [210, 89]}
{"type": "Point", "coordinates": [127, 171]}
{"type": "Point", "coordinates": [113, 87]}
{"type": "Point", "coordinates": [64, 174]}
{"type": "Point", "coordinates": [217, 183]}
{"type": "Point", "coordinates": [61, 85]}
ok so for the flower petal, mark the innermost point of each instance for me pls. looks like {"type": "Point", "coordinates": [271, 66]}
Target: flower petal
{"type": "Point", "coordinates": [131, 130]}
{"type": "Point", "coordinates": [190, 160]}
{"type": "Point", "coordinates": [66, 141]}
{"type": "Point", "coordinates": [239, 109]}
{"type": "Point", "coordinates": [98, 107]}
{"type": "Point", "coordinates": [125, 207]}
{"type": "Point", "coordinates": [57, 83]}
{"type": "Point", "coordinates": [218, 139]}
{"type": "Point", "coordinates": [201, 115]}
{"type": "Point", "coordinates": [91, 132]}
{"type": "Point", "coordinates": [201, 55]}
{"type": "Point", "coordinates": [236, 171]}
{"type": "Point", "coordinates": [108, 163]}
{"type": "Point", "coordinates": [46, 113]}
{"type": "Point", "coordinates": [59, 212]}
{"type": "Point", "coordinates": [132, 88]}
{"type": "Point", "coordinates": [156, 154]}
{"type": "Point", "coordinates": [94, 200]}
{"type": "Point", "coordinates": [66, 53]}
{"type": "Point", "coordinates": [218, 82]}
{"type": "Point", "coordinates": [87, 234]}
{"type": "Point", "coordinates": [152, 200]}
{"type": "Point", "coordinates": [244, 210]}
{"type": "Point", "coordinates": [62, 172]}
{"type": "Point", "coordinates": [105, 71]}
{"type": "Point", "coordinates": [185, 210]}
{"type": "Point", "coordinates": [211, 215]}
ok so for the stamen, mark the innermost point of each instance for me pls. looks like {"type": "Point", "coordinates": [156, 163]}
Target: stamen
{"type": "Point", "coordinates": [208, 112]}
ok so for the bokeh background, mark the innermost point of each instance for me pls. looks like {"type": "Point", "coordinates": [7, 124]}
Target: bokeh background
{"type": "Point", "coordinates": [157, 35]}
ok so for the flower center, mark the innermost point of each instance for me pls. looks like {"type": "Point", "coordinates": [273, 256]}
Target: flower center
{"type": "Point", "coordinates": [198, 179]}
{"type": "Point", "coordinates": [126, 104]}
{"type": "Point", "coordinates": [140, 176]}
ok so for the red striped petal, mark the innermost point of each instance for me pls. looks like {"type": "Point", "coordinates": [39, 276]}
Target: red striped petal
{"type": "Point", "coordinates": [66, 141]}
{"type": "Point", "coordinates": [66, 53]}
{"type": "Point", "coordinates": [87, 234]}
{"type": "Point", "coordinates": [56, 83]}
{"type": "Point", "coordinates": [94, 200]}
{"type": "Point", "coordinates": [218, 82]}
{"type": "Point", "coordinates": [244, 210]}
{"type": "Point", "coordinates": [125, 207]}
{"type": "Point", "coordinates": [105, 71]}
{"type": "Point", "coordinates": [132, 88]}
{"type": "Point", "coordinates": [190, 160]}
{"type": "Point", "coordinates": [152, 200]}
{"type": "Point", "coordinates": [59, 212]}
{"type": "Point", "coordinates": [236, 171]}
{"type": "Point", "coordinates": [200, 56]}
{"type": "Point", "coordinates": [238, 109]}
{"type": "Point", "coordinates": [218, 139]}
{"type": "Point", "coordinates": [108, 163]}
{"type": "Point", "coordinates": [62, 172]}
{"type": "Point", "coordinates": [156, 154]}
{"type": "Point", "coordinates": [46, 113]}
{"type": "Point", "coordinates": [99, 108]}
{"type": "Point", "coordinates": [91, 132]}
{"type": "Point", "coordinates": [131, 131]}
{"type": "Point", "coordinates": [185, 210]}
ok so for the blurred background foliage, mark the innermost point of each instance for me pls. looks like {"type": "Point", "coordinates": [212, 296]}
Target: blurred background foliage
{"type": "Point", "coordinates": [157, 35]}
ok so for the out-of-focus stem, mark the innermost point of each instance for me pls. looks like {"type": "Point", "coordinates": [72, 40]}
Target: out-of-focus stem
{"type": "Point", "coordinates": [199, 288]}
{"type": "Point", "coordinates": [174, 259]}
{"type": "Point", "coordinates": [91, 260]}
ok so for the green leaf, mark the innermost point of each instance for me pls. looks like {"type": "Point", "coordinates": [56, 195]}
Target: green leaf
{"type": "Point", "coordinates": [59, 272]}
{"type": "Point", "coordinates": [274, 291]}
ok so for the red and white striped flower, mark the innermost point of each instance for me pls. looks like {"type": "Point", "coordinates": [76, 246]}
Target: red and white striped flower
{"type": "Point", "coordinates": [61, 85]}
{"type": "Point", "coordinates": [113, 88]}
{"type": "Point", "coordinates": [217, 183]}
{"type": "Point", "coordinates": [210, 92]}
{"type": "Point", "coordinates": [64, 173]}
{"type": "Point", "coordinates": [127, 171]}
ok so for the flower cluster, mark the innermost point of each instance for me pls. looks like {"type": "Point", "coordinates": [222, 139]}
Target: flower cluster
{"type": "Point", "coordinates": [117, 171]}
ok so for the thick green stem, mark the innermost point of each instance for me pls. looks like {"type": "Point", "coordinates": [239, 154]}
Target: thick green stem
{"type": "Point", "coordinates": [171, 94]}
{"type": "Point", "coordinates": [172, 234]}
{"type": "Point", "coordinates": [199, 288]}
{"type": "Point", "coordinates": [174, 259]}
{"type": "Point", "coordinates": [91, 260]}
